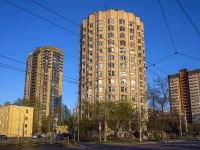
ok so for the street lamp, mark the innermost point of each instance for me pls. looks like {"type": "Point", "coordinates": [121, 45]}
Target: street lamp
{"type": "Point", "coordinates": [19, 121]}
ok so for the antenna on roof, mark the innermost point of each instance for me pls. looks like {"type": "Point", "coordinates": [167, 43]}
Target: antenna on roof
{"type": "Point", "coordinates": [106, 7]}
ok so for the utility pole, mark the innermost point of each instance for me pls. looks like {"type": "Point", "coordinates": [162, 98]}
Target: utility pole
{"type": "Point", "coordinates": [180, 128]}
{"type": "Point", "coordinates": [140, 130]}
{"type": "Point", "coordinates": [186, 127]}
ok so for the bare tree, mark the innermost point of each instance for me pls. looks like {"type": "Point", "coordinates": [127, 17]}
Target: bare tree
{"type": "Point", "coordinates": [163, 99]}
{"type": "Point", "coordinates": [153, 95]}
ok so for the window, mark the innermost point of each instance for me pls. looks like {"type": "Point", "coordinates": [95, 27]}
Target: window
{"type": "Point", "coordinates": [25, 125]}
{"type": "Point", "coordinates": [140, 69]}
{"type": "Point", "coordinates": [84, 29]}
{"type": "Point", "coordinates": [110, 57]}
{"type": "Point", "coordinates": [141, 77]}
{"type": "Point", "coordinates": [26, 118]}
{"type": "Point", "coordinates": [99, 66]}
{"type": "Point", "coordinates": [111, 81]}
{"type": "Point", "coordinates": [121, 21]}
{"type": "Point", "coordinates": [99, 51]}
{"type": "Point", "coordinates": [90, 68]}
{"type": "Point", "coordinates": [90, 60]}
{"type": "Point", "coordinates": [90, 32]}
{"type": "Point", "coordinates": [90, 53]}
{"type": "Point", "coordinates": [132, 74]}
{"type": "Point", "coordinates": [90, 25]}
{"type": "Point", "coordinates": [100, 43]}
{"type": "Point", "coordinates": [122, 35]}
{"type": "Point", "coordinates": [132, 52]}
{"type": "Point", "coordinates": [131, 37]}
{"type": "Point", "coordinates": [122, 57]}
{"type": "Point", "coordinates": [124, 97]}
{"type": "Point", "coordinates": [122, 73]}
{"type": "Point", "coordinates": [110, 34]}
{"type": "Point", "coordinates": [100, 98]}
{"type": "Point", "coordinates": [122, 43]}
{"type": "Point", "coordinates": [99, 29]}
{"type": "Point", "coordinates": [133, 90]}
{"type": "Point", "coordinates": [123, 81]}
{"type": "Point", "coordinates": [140, 84]}
{"type": "Point", "coordinates": [99, 74]}
{"type": "Point", "coordinates": [123, 65]}
{"type": "Point", "coordinates": [99, 81]}
{"type": "Point", "coordinates": [111, 73]}
{"type": "Point", "coordinates": [138, 27]}
{"type": "Point", "coordinates": [131, 30]}
{"type": "Point", "coordinates": [110, 42]}
{"type": "Point", "coordinates": [139, 40]}
{"type": "Point", "coordinates": [111, 65]}
{"type": "Point", "coordinates": [99, 36]}
{"type": "Point", "coordinates": [111, 89]}
{"type": "Point", "coordinates": [110, 27]}
{"type": "Point", "coordinates": [133, 82]}
{"type": "Point", "coordinates": [111, 97]}
{"type": "Point", "coordinates": [123, 89]}
{"type": "Point", "coordinates": [90, 45]}
{"type": "Point", "coordinates": [99, 22]}
{"type": "Point", "coordinates": [131, 23]}
{"type": "Point", "coordinates": [90, 83]}
{"type": "Point", "coordinates": [121, 28]}
{"type": "Point", "coordinates": [90, 38]}
{"type": "Point", "coordinates": [132, 59]}
{"type": "Point", "coordinates": [99, 58]}
{"type": "Point", "coordinates": [122, 50]}
{"type": "Point", "coordinates": [110, 49]}
{"type": "Point", "coordinates": [133, 67]}
{"type": "Point", "coordinates": [83, 36]}
{"type": "Point", "coordinates": [132, 44]}
{"type": "Point", "coordinates": [110, 20]}
{"type": "Point", "coordinates": [26, 110]}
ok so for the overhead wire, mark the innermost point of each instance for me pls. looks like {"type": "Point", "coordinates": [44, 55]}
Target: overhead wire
{"type": "Point", "coordinates": [78, 25]}
{"type": "Point", "coordinates": [188, 17]}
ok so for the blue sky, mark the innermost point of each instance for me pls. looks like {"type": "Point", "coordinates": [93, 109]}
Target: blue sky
{"type": "Point", "coordinates": [21, 32]}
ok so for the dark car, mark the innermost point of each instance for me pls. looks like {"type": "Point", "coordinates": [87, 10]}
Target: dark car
{"type": "Point", "coordinates": [3, 137]}
{"type": "Point", "coordinates": [58, 136]}
{"type": "Point", "coordinates": [65, 135]}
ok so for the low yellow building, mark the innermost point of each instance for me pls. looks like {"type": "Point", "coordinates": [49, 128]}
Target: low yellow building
{"type": "Point", "coordinates": [16, 120]}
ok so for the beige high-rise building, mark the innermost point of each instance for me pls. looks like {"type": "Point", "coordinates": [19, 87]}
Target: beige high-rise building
{"type": "Point", "coordinates": [44, 82]}
{"type": "Point", "coordinates": [16, 120]}
{"type": "Point", "coordinates": [185, 94]}
{"type": "Point", "coordinates": [112, 58]}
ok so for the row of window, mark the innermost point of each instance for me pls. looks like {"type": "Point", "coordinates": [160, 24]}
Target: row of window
{"type": "Point", "coordinates": [111, 21]}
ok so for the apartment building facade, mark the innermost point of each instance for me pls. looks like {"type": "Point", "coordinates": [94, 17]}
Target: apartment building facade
{"type": "Point", "coordinates": [184, 91]}
{"type": "Point", "coordinates": [112, 58]}
{"type": "Point", "coordinates": [43, 85]}
{"type": "Point", "coordinates": [16, 120]}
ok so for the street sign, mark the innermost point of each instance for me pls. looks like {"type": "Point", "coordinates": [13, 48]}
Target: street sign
{"type": "Point", "coordinates": [56, 115]}
{"type": "Point", "coordinates": [99, 126]}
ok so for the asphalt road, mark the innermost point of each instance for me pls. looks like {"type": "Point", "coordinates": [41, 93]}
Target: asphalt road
{"type": "Point", "coordinates": [184, 145]}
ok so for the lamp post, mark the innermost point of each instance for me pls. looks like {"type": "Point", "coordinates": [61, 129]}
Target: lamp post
{"type": "Point", "coordinates": [19, 121]}
{"type": "Point", "coordinates": [139, 110]}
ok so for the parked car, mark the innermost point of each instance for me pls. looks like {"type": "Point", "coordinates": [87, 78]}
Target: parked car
{"type": "Point", "coordinates": [3, 137]}
{"type": "Point", "coordinates": [64, 135]}
{"type": "Point", "coordinates": [34, 136]}
{"type": "Point", "coordinates": [58, 136]}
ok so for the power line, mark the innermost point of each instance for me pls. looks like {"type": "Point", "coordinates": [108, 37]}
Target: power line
{"type": "Point", "coordinates": [41, 18]}
{"type": "Point", "coordinates": [167, 26]}
{"type": "Point", "coordinates": [54, 12]}
{"type": "Point", "coordinates": [188, 16]}
{"type": "Point", "coordinates": [12, 59]}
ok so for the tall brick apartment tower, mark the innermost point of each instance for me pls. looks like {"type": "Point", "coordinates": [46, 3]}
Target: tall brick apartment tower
{"type": "Point", "coordinates": [185, 94]}
{"type": "Point", "coordinates": [43, 83]}
{"type": "Point", "coordinates": [112, 58]}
